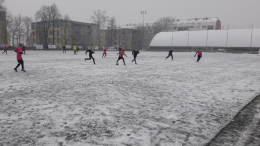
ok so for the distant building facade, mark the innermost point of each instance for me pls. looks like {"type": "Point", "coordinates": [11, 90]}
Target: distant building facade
{"type": "Point", "coordinates": [66, 33]}
{"type": "Point", "coordinates": [128, 38]}
{"type": "Point", "coordinates": [208, 23]}
{"type": "Point", "coordinates": [4, 36]}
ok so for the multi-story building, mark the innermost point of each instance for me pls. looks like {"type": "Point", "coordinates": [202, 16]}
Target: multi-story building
{"type": "Point", "coordinates": [128, 38]}
{"type": "Point", "coordinates": [65, 33]}
{"type": "Point", "coordinates": [196, 24]}
{"type": "Point", "coordinates": [4, 36]}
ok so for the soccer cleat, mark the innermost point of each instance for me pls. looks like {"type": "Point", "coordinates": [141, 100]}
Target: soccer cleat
{"type": "Point", "coordinates": [85, 59]}
{"type": "Point", "coordinates": [15, 69]}
{"type": "Point", "coordinates": [23, 70]}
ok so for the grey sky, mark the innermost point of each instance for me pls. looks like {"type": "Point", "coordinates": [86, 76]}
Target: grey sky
{"type": "Point", "coordinates": [233, 12]}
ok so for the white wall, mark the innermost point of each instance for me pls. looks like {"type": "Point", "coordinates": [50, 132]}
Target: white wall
{"type": "Point", "coordinates": [216, 38]}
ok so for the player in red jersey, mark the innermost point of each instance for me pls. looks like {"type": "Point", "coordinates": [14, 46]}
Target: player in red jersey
{"type": "Point", "coordinates": [19, 52]}
{"type": "Point", "coordinates": [104, 52]}
{"type": "Point", "coordinates": [5, 48]}
{"type": "Point", "coordinates": [121, 55]}
{"type": "Point", "coordinates": [199, 54]}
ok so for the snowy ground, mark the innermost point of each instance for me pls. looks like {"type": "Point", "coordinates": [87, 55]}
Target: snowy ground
{"type": "Point", "coordinates": [63, 100]}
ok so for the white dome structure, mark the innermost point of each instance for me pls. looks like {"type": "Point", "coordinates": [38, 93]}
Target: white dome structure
{"type": "Point", "coordinates": [232, 39]}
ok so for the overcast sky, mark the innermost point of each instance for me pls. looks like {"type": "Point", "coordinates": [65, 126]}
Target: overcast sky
{"type": "Point", "coordinates": [232, 12]}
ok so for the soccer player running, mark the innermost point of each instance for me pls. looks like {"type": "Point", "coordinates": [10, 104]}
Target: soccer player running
{"type": "Point", "coordinates": [75, 50]}
{"type": "Point", "coordinates": [104, 52]}
{"type": "Point", "coordinates": [64, 49]}
{"type": "Point", "coordinates": [120, 49]}
{"type": "Point", "coordinates": [19, 52]}
{"type": "Point", "coordinates": [121, 55]}
{"type": "Point", "coordinates": [170, 54]}
{"type": "Point", "coordinates": [5, 49]}
{"type": "Point", "coordinates": [90, 51]}
{"type": "Point", "coordinates": [198, 51]}
{"type": "Point", "coordinates": [134, 53]}
{"type": "Point", "coordinates": [24, 50]}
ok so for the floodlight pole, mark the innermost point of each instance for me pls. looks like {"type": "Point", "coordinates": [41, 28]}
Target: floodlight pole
{"type": "Point", "coordinates": [143, 13]}
{"type": "Point", "coordinates": [227, 38]}
{"type": "Point", "coordinates": [188, 39]}
{"type": "Point", "coordinates": [207, 38]}
{"type": "Point", "coordinates": [251, 38]}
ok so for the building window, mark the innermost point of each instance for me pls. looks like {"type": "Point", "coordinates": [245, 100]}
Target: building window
{"type": "Point", "coordinates": [191, 27]}
{"type": "Point", "coordinates": [58, 32]}
{"type": "Point", "coordinates": [204, 26]}
{"type": "Point", "coordinates": [186, 28]}
{"type": "Point", "coordinates": [50, 40]}
{"type": "Point", "coordinates": [197, 27]}
{"type": "Point", "coordinates": [174, 27]}
{"type": "Point", "coordinates": [58, 40]}
{"type": "Point", "coordinates": [50, 32]}
{"type": "Point", "coordinates": [33, 33]}
{"type": "Point", "coordinates": [210, 26]}
{"type": "Point", "coordinates": [33, 40]}
{"type": "Point", "coordinates": [180, 28]}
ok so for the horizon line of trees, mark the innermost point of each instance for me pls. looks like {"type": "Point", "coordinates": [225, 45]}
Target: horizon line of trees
{"type": "Point", "coordinates": [19, 27]}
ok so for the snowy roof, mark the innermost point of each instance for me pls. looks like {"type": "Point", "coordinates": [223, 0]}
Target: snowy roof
{"type": "Point", "coordinates": [196, 20]}
{"type": "Point", "coordinates": [135, 26]}
{"type": "Point", "coordinates": [216, 38]}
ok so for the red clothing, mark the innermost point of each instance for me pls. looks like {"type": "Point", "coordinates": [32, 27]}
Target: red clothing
{"type": "Point", "coordinates": [199, 52]}
{"type": "Point", "coordinates": [122, 53]}
{"type": "Point", "coordinates": [105, 50]}
{"type": "Point", "coordinates": [19, 50]}
{"type": "Point", "coordinates": [5, 47]}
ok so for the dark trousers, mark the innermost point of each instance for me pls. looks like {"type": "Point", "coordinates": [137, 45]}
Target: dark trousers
{"type": "Point", "coordinates": [198, 58]}
{"type": "Point", "coordinates": [64, 50]}
{"type": "Point", "coordinates": [75, 52]}
{"type": "Point", "coordinates": [5, 52]}
{"type": "Point", "coordinates": [20, 62]}
{"type": "Point", "coordinates": [134, 59]}
{"type": "Point", "coordinates": [121, 58]}
{"type": "Point", "coordinates": [104, 54]}
{"type": "Point", "coordinates": [169, 56]}
{"type": "Point", "coordinates": [91, 57]}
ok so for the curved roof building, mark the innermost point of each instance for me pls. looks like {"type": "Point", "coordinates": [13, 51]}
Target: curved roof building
{"type": "Point", "coordinates": [208, 39]}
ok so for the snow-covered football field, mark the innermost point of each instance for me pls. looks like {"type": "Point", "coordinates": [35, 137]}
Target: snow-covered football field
{"type": "Point", "coordinates": [63, 100]}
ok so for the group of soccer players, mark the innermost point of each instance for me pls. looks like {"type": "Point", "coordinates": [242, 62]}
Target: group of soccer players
{"type": "Point", "coordinates": [21, 50]}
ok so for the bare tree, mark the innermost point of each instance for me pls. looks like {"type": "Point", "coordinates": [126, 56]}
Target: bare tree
{"type": "Point", "coordinates": [55, 16]}
{"type": "Point", "coordinates": [44, 17]}
{"type": "Point", "coordinates": [27, 24]}
{"type": "Point", "coordinates": [67, 29]}
{"type": "Point", "coordinates": [1, 5]}
{"type": "Point", "coordinates": [163, 24]}
{"type": "Point", "coordinates": [14, 28]}
{"type": "Point", "coordinates": [100, 19]}
{"type": "Point", "coordinates": [111, 27]}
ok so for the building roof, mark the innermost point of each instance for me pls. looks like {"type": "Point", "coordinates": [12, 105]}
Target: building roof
{"type": "Point", "coordinates": [216, 38]}
{"type": "Point", "coordinates": [74, 22]}
{"type": "Point", "coordinates": [196, 20]}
